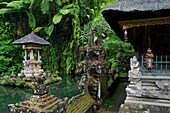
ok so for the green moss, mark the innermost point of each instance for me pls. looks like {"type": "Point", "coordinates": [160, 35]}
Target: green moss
{"type": "Point", "coordinates": [4, 82]}
{"type": "Point", "coordinates": [18, 83]}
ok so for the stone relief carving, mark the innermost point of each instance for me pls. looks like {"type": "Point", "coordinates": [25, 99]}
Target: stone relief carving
{"type": "Point", "coordinates": [134, 89]}
{"type": "Point", "coordinates": [163, 84]}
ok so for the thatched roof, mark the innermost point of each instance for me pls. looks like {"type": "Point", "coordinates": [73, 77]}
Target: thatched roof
{"type": "Point", "coordinates": [123, 10]}
{"type": "Point", "coordinates": [31, 39]}
{"type": "Point", "coordinates": [138, 5]}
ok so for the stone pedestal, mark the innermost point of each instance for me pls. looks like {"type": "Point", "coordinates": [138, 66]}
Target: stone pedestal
{"type": "Point", "coordinates": [31, 69]}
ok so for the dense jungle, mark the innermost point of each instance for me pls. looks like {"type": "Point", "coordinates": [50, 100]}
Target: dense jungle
{"type": "Point", "coordinates": [64, 23]}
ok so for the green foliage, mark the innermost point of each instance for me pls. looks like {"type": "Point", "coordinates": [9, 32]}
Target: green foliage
{"type": "Point", "coordinates": [4, 82]}
{"type": "Point", "coordinates": [18, 83]}
{"type": "Point", "coordinates": [57, 18]}
{"type": "Point", "coordinates": [5, 10]}
{"type": "Point", "coordinates": [8, 52]}
{"type": "Point", "coordinates": [32, 21]}
{"type": "Point", "coordinates": [45, 6]}
{"type": "Point", "coordinates": [15, 4]}
{"type": "Point", "coordinates": [38, 29]}
{"type": "Point", "coordinates": [51, 78]}
{"type": "Point", "coordinates": [64, 12]}
{"type": "Point", "coordinates": [50, 29]}
{"type": "Point", "coordinates": [64, 23]}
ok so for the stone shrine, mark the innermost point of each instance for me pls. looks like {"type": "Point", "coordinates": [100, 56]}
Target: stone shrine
{"type": "Point", "coordinates": [146, 92]}
{"type": "Point", "coordinates": [32, 43]}
{"type": "Point", "coordinates": [94, 68]}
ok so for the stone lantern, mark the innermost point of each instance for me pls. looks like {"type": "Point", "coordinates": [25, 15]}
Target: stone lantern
{"type": "Point", "coordinates": [32, 44]}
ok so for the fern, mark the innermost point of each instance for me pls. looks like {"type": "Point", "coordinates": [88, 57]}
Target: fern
{"type": "Point", "coordinates": [45, 6]}
{"type": "Point", "coordinates": [15, 4]}
{"type": "Point", "coordinates": [27, 1]}
{"type": "Point", "coordinates": [32, 21]}
{"type": "Point", "coordinates": [58, 2]}
{"type": "Point", "coordinates": [5, 10]}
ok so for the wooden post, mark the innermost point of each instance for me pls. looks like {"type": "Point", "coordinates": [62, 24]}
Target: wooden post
{"type": "Point", "coordinates": [142, 64]}
{"type": "Point", "coordinates": [161, 63]}
{"type": "Point", "coordinates": [38, 54]}
{"type": "Point", "coordinates": [25, 54]}
{"type": "Point", "coordinates": [166, 63]}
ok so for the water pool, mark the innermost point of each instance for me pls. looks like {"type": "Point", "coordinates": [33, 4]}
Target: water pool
{"type": "Point", "coordinates": [11, 95]}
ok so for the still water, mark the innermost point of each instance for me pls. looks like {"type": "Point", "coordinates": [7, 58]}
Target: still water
{"type": "Point", "coordinates": [11, 95]}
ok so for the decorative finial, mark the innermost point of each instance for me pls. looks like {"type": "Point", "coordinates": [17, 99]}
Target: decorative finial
{"type": "Point", "coordinates": [99, 39]}
{"type": "Point", "coordinates": [33, 31]}
{"type": "Point", "coordinates": [92, 35]}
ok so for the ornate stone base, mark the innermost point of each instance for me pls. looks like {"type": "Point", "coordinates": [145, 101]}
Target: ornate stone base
{"type": "Point", "coordinates": [144, 104]}
{"type": "Point", "coordinates": [147, 92]}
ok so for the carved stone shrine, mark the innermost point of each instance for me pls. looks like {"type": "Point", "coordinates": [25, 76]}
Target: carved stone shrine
{"type": "Point", "coordinates": [146, 92]}
{"type": "Point", "coordinates": [31, 43]}
{"type": "Point", "coordinates": [94, 68]}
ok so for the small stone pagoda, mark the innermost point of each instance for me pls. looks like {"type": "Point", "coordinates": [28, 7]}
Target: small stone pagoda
{"type": "Point", "coordinates": [33, 44]}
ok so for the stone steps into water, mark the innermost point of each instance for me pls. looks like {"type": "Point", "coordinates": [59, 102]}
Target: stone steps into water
{"type": "Point", "coordinates": [51, 105]}
{"type": "Point", "coordinates": [40, 103]}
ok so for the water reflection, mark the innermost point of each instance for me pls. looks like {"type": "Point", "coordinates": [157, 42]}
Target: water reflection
{"type": "Point", "coordinates": [10, 95]}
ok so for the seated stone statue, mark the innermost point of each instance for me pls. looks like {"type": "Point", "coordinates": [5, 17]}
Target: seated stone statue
{"type": "Point", "coordinates": [134, 64]}
{"type": "Point", "coordinates": [135, 69]}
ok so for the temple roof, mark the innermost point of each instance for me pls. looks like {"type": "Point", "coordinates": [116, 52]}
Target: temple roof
{"type": "Point", "coordinates": [124, 10]}
{"type": "Point", "coordinates": [31, 39]}
{"type": "Point", "coordinates": [138, 5]}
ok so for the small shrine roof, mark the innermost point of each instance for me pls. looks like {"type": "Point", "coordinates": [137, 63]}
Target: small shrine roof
{"type": "Point", "coordinates": [127, 10]}
{"type": "Point", "coordinates": [31, 39]}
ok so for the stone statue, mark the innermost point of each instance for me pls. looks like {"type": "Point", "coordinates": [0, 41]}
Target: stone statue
{"type": "Point", "coordinates": [134, 64]}
{"type": "Point", "coordinates": [135, 78]}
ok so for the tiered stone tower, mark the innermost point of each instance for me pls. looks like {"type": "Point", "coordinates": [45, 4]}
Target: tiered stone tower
{"type": "Point", "coordinates": [94, 68]}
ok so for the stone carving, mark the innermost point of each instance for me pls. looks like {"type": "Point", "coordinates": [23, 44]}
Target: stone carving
{"type": "Point", "coordinates": [13, 109]}
{"type": "Point", "coordinates": [40, 87]}
{"type": "Point", "coordinates": [163, 84]}
{"type": "Point", "coordinates": [93, 68]}
{"type": "Point", "coordinates": [135, 87]}
{"type": "Point", "coordinates": [134, 74]}
{"type": "Point", "coordinates": [134, 64]}
{"type": "Point", "coordinates": [147, 92]}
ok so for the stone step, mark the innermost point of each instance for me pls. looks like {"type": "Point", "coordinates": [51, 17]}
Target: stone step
{"type": "Point", "coordinates": [51, 105]}
{"type": "Point", "coordinates": [148, 84]}
{"type": "Point", "coordinates": [152, 106]}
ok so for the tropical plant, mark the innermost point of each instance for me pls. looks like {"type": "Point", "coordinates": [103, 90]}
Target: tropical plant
{"type": "Point", "coordinates": [64, 23]}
